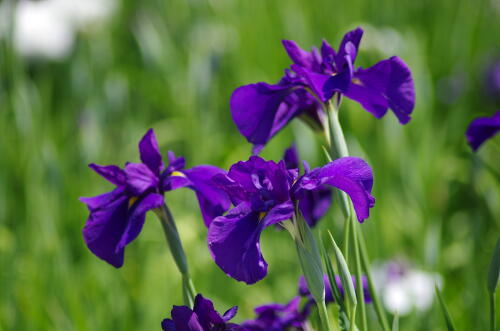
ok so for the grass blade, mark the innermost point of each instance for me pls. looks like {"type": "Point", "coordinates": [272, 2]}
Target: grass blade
{"type": "Point", "coordinates": [444, 309]}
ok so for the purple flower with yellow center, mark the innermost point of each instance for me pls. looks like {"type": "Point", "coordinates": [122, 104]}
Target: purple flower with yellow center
{"type": "Point", "coordinates": [203, 317]}
{"type": "Point", "coordinates": [117, 217]}
{"type": "Point", "coordinates": [304, 290]}
{"type": "Point", "coordinates": [264, 193]}
{"type": "Point", "coordinates": [279, 317]}
{"type": "Point", "coordinates": [314, 204]}
{"type": "Point", "coordinates": [482, 129]}
{"type": "Point", "coordinates": [261, 110]}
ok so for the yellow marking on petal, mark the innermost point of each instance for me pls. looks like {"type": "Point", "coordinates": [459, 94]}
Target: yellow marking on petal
{"type": "Point", "coordinates": [131, 201]}
{"type": "Point", "coordinates": [178, 174]}
{"type": "Point", "coordinates": [357, 81]}
{"type": "Point", "coordinates": [262, 214]}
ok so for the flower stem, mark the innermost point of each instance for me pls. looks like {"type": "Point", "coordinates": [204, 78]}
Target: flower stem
{"type": "Point", "coordinates": [492, 312]}
{"type": "Point", "coordinates": [338, 148]}
{"type": "Point", "coordinates": [359, 281]}
{"type": "Point", "coordinates": [175, 245]}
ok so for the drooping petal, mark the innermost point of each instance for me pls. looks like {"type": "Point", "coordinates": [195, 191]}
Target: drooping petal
{"type": "Point", "coordinates": [111, 173]}
{"type": "Point", "coordinates": [140, 178]}
{"type": "Point", "coordinates": [254, 108]}
{"type": "Point", "coordinates": [213, 201]}
{"type": "Point", "coordinates": [233, 189]}
{"type": "Point", "coordinates": [314, 204]}
{"type": "Point", "coordinates": [349, 174]}
{"type": "Point", "coordinates": [388, 80]}
{"type": "Point", "coordinates": [136, 217]}
{"type": "Point", "coordinates": [150, 152]}
{"type": "Point", "coordinates": [233, 241]}
{"type": "Point", "coordinates": [106, 224]}
{"type": "Point", "coordinates": [315, 81]}
{"type": "Point", "coordinates": [481, 129]}
{"type": "Point", "coordinates": [168, 325]}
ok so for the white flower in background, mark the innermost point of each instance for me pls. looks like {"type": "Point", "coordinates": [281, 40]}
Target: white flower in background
{"type": "Point", "coordinates": [47, 28]}
{"type": "Point", "coordinates": [404, 289]}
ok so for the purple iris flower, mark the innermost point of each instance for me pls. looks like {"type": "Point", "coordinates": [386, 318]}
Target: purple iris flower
{"type": "Point", "coordinates": [304, 290]}
{"type": "Point", "coordinates": [264, 193]}
{"type": "Point", "coordinates": [314, 204]}
{"type": "Point", "coordinates": [203, 317]}
{"type": "Point", "coordinates": [261, 110]}
{"type": "Point", "coordinates": [482, 129]}
{"type": "Point", "coordinates": [116, 218]}
{"type": "Point", "coordinates": [279, 317]}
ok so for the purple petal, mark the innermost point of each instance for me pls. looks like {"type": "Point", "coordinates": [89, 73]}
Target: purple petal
{"type": "Point", "coordinates": [173, 182]}
{"type": "Point", "coordinates": [140, 178]}
{"type": "Point", "coordinates": [315, 81]}
{"type": "Point", "coordinates": [291, 157]}
{"type": "Point", "coordinates": [299, 56]}
{"type": "Point", "coordinates": [207, 315]}
{"type": "Point", "coordinates": [168, 325]}
{"type": "Point", "coordinates": [213, 201]}
{"type": "Point", "coordinates": [175, 163]}
{"type": "Point", "coordinates": [348, 47]}
{"type": "Point", "coordinates": [314, 204]}
{"type": "Point", "coordinates": [106, 224]}
{"type": "Point", "coordinates": [233, 189]}
{"type": "Point", "coordinates": [327, 52]}
{"type": "Point", "coordinates": [233, 241]}
{"type": "Point", "coordinates": [137, 215]}
{"type": "Point", "coordinates": [230, 313]}
{"type": "Point", "coordinates": [254, 108]}
{"type": "Point", "coordinates": [185, 319]}
{"type": "Point", "coordinates": [349, 174]}
{"type": "Point", "coordinates": [481, 129]}
{"type": "Point", "coordinates": [150, 153]}
{"type": "Point", "coordinates": [111, 173]}
{"type": "Point", "coordinates": [389, 79]}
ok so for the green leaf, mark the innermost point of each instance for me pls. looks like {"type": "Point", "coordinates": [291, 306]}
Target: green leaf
{"type": "Point", "coordinates": [345, 275]}
{"type": "Point", "coordinates": [494, 269]}
{"type": "Point", "coordinates": [444, 309]}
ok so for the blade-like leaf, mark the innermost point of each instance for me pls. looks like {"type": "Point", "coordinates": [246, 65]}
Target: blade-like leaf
{"type": "Point", "coordinates": [494, 269]}
{"type": "Point", "coordinates": [444, 309]}
{"type": "Point", "coordinates": [345, 275]}
{"type": "Point", "coordinates": [395, 322]}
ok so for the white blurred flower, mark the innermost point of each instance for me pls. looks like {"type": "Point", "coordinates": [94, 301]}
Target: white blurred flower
{"type": "Point", "coordinates": [47, 28]}
{"type": "Point", "coordinates": [404, 289]}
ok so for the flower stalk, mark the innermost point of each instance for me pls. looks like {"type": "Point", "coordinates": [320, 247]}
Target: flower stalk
{"type": "Point", "coordinates": [338, 148]}
{"type": "Point", "coordinates": [177, 251]}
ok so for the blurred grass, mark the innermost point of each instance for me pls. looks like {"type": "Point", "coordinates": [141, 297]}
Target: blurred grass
{"type": "Point", "coordinates": [172, 65]}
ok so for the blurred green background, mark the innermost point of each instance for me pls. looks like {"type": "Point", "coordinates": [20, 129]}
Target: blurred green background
{"type": "Point", "coordinates": [172, 65]}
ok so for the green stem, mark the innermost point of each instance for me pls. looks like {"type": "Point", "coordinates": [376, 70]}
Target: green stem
{"type": "Point", "coordinates": [323, 315]}
{"type": "Point", "coordinates": [338, 148]}
{"type": "Point", "coordinates": [359, 281]}
{"type": "Point", "coordinates": [493, 326]}
{"type": "Point", "coordinates": [382, 318]}
{"type": "Point", "coordinates": [175, 245]}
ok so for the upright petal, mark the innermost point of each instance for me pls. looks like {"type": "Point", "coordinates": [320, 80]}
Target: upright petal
{"type": "Point", "coordinates": [111, 173]}
{"type": "Point", "coordinates": [388, 80]}
{"type": "Point", "coordinates": [298, 55]}
{"type": "Point", "coordinates": [481, 129]}
{"type": "Point", "coordinates": [291, 157]}
{"type": "Point", "coordinates": [213, 201]}
{"type": "Point", "coordinates": [185, 319]}
{"type": "Point", "coordinates": [140, 178]}
{"type": "Point", "coordinates": [254, 108]}
{"type": "Point", "coordinates": [150, 152]}
{"type": "Point", "coordinates": [233, 241]}
{"type": "Point", "coordinates": [136, 217]}
{"type": "Point", "coordinates": [106, 224]}
{"type": "Point", "coordinates": [175, 163]}
{"type": "Point", "coordinates": [349, 174]}
{"type": "Point", "coordinates": [348, 47]}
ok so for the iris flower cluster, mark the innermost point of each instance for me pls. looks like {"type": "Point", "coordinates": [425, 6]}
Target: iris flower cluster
{"type": "Point", "coordinates": [239, 204]}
